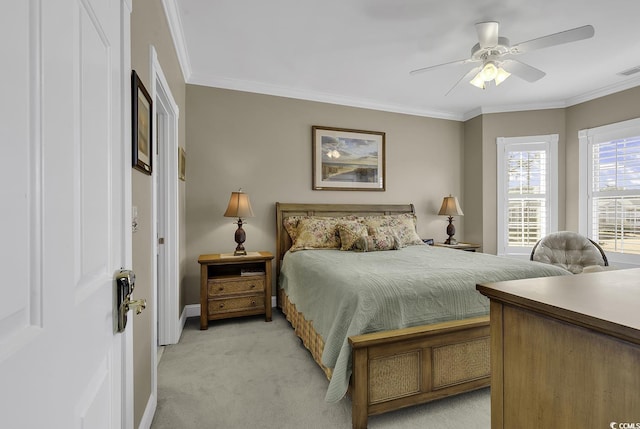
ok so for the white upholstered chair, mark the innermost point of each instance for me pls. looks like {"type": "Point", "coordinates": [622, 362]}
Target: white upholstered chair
{"type": "Point", "coordinates": [571, 251]}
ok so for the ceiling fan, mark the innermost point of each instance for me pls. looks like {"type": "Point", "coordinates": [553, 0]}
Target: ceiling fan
{"type": "Point", "coordinates": [494, 53]}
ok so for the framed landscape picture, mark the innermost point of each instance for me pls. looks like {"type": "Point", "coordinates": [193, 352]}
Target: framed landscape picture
{"type": "Point", "coordinates": [141, 125]}
{"type": "Point", "coordinates": [348, 160]}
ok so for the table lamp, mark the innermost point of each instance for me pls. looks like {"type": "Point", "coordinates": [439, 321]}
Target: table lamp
{"type": "Point", "coordinates": [450, 207]}
{"type": "Point", "coordinates": [240, 207]}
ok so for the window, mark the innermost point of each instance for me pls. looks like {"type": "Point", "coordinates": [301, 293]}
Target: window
{"type": "Point", "coordinates": [527, 191]}
{"type": "Point", "coordinates": [610, 188]}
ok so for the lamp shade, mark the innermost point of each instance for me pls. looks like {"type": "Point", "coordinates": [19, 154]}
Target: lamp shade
{"type": "Point", "coordinates": [239, 206]}
{"type": "Point", "coordinates": [450, 207]}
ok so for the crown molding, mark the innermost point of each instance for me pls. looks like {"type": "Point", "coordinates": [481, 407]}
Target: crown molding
{"type": "Point", "coordinates": [177, 35]}
{"type": "Point", "coordinates": [601, 92]}
{"type": "Point", "coordinates": [560, 104]}
{"type": "Point", "coordinates": [282, 91]}
{"type": "Point", "coordinates": [512, 108]}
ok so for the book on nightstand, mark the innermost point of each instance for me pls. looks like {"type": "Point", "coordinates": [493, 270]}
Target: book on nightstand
{"type": "Point", "coordinates": [249, 272]}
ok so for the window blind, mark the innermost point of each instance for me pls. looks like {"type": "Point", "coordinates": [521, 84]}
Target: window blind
{"type": "Point", "coordinates": [616, 195]}
{"type": "Point", "coordinates": [527, 195]}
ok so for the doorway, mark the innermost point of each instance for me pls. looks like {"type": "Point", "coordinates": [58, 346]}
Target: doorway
{"type": "Point", "coordinates": [165, 209]}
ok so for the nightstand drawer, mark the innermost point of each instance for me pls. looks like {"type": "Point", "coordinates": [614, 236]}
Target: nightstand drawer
{"type": "Point", "coordinates": [231, 285]}
{"type": "Point", "coordinates": [236, 304]}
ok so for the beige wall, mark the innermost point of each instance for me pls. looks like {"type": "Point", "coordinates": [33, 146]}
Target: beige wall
{"type": "Point", "coordinates": [473, 172]}
{"type": "Point", "coordinates": [142, 323]}
{"type": "Point", "coordinates": [263, 144]}
{"type": "Point", "coordinates": [514, 124]}
{"type": "Point", "coordinates": [613, 108]}
{"type": "Point", "coordinates": [565, 122]}
{"type": "Point", "coordinates": [149, 27]}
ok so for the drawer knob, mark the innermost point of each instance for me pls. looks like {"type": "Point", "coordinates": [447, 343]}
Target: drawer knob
{"type": "Point", "coordinates": [221, 288]}
{"type": "Point", "coordinates": [253, 302]}
{"type": "Point", "coordinates": [252, 286]}
{"type": "Point", "coordinates": [222, 305]}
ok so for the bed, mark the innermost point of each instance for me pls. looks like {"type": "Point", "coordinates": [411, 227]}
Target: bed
{"type": "Point", "coordinates": [387, 353]}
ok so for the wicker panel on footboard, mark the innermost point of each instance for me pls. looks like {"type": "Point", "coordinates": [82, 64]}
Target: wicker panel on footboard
{"type": "Point", "coordinates": [404, 367]}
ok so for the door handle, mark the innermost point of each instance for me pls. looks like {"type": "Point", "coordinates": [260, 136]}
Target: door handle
{"type": "Point", "coordinates": [125, 281]}
{"type": "Point", "coordinates": [139, 304]}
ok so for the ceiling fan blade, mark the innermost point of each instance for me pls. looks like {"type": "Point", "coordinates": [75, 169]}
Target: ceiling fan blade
{"type": "Point", "coordinates": [467, 77]}
{"type": "Point", "coordinates": [487, 34]}
{"type": "Point", "coordinates": [567, 36]}
{"type": "Point", "coordinates": [424, 69]}
{"type": "Point", "coordinates": [522, 70]}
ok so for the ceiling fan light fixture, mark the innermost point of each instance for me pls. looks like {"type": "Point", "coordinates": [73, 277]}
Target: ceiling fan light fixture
{"type": "Point", "coordinates": [478, 81]}
{"type": "Point", "coordinates": [489, 71]}
{"type": "Point", "coordinates": [501, 76]}
{"type": "Point", "coordinates": [493, 50]}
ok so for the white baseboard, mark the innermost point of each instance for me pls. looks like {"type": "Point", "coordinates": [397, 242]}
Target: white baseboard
{"type": "Point", "coordinates": [191, 310]}
{"type": "Point", "coordinates": [149, 411]}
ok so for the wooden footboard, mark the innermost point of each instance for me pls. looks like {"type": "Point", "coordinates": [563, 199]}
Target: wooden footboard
{"type": "Point", "coordinates": [400, 368]}
{"type": "Point", "coordinates": [404, 367]}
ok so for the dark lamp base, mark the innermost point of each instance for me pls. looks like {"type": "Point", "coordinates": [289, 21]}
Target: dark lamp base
{"type": "Point", "coordinates": [451, 231]}
{"type": "Point", "coordinates": [240, 237]}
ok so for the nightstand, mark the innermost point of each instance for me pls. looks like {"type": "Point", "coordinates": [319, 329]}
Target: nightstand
{"type": "Point", "coordinates": [469, 247]}
{"type": "Point", "coordinates": [234, 286]}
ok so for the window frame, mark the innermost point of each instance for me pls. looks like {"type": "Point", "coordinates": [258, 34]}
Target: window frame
{"type": "Point", "coordinates": [549, 143]}
{"type": "Point", "coordinates": [586, 139]}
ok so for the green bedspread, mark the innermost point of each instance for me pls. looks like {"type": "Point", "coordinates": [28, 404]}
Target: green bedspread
{"type": "Point", "coordinates": [352, 293]}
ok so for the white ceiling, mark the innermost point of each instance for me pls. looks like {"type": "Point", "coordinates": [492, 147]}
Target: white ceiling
{"type": "Point", "coordinates": [360, 52]}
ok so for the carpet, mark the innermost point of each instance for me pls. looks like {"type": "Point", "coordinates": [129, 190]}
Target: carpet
{"type": "Point", "coordinates": [246, 373]}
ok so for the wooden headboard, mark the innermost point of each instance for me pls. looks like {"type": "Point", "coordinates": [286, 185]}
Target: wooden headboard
{"type": "Point", "coordinates": [283, 210]}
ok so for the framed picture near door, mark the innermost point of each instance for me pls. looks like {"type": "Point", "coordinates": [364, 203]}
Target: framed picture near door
{"type": "Point", "coordinates": [141, 111]}
{"type": "Point", "coordinates": [182, 164]}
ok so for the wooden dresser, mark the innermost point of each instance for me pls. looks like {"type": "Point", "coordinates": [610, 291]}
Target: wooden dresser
{"type": "Point", "coordinates": [233, 286]}
{"type": "Point", "coordinates": [565, 351]}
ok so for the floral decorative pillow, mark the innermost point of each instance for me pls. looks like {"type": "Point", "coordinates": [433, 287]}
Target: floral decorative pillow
{"type": "Point", "coordinates": [403, 225]}
{"type": "Point", "coordinates": [290, 224]}
{"type": "Point", "coordinates": [316, 232]}
{"type": "Point", "coordinates": [349, 232]}
{"type": "Point", "coordinates": [386, 234]}
{"type": "Point", "coordinates": [381, 241]}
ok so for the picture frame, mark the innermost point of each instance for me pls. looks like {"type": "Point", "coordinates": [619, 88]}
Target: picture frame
{"type": "Point", "coordinates": [141, 130]}
{"type": "Point", "coordinates": [348, 160]}
{"type": "Point", "coordinates": [182, 164]}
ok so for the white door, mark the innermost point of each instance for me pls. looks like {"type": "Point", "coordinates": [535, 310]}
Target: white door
{"type": "Point", "coordinates": [64, 190]}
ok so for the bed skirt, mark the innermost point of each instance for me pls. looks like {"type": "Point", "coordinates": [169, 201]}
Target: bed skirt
{"type": "Point", "coordinates": [304, 330]}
